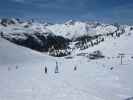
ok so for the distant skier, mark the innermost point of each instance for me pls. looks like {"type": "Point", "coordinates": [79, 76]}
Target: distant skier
{"type": "Point", "coordinates": [75, 68]}
{"type": "Point", "coordinates": [46, 70]}
{"type": "Point", "coordinates": [9, 68]}
{"type": "Point", "coordinates": [111, 68]}
{"type": "Point", "coordinates": [16, 67]}
{"type": "Point", "coordinates": [56, 68]}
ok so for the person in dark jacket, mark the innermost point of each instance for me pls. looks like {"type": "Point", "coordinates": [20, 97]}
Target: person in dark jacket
{"type": "Point", "coordinates": [46, 70]}
{"type": "Point", "coordinates": [75, 68]}
{"type": "Point", "coordinates": [56, 68]}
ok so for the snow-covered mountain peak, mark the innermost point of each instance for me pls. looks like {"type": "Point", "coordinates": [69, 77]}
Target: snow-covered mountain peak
{"type": "Point", "coordinates": [76, 29]}
{"type": "Point", "coordinates": [43, 36]}
{"type": "Point", "coordinates": [70, 22]}
{"type": "Point", "coordinates": [71, 29]}
{"type": "Point", "coordinates": [9, 21]}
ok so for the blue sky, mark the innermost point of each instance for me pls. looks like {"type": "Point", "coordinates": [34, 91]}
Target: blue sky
{"type": "Point", "coordinates": [61, 10]}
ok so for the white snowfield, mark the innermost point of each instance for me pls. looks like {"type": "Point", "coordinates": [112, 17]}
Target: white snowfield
{"type": "Point", "coordinates": [22, 75]}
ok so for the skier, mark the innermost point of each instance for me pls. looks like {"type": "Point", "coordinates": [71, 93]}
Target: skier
{"type": "Point", "coordinates": [111, 68]}
{"type": "Point", "coordinates": [75, 68]}
{"type": "Point", "coordinates": [9, 68]}
{"type": "Point", "coordinates": [46, 70]}
{"type": "Point", "coordinates": [56, 68]}
{"type": "Point", "coordinates": [16, 67]}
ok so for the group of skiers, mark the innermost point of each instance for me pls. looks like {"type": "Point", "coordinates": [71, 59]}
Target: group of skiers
{"type": "Point", "coordinates": [56, 69]}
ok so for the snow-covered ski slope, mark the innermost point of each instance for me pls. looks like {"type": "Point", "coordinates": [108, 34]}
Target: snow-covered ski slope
{"type": "Point", "coordinates": [22, 74]}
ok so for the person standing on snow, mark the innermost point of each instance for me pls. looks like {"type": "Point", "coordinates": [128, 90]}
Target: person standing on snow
{"type": "Point", "coordinates": [75, 68]}
{"type": "Point", "coordinates": [56, 68]}
{"type": "Point", "coordinates": [46, 70]}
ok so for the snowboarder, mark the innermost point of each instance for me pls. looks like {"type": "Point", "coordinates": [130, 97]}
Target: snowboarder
{"type": "Point", "coordinates": [56, 68]}
{"type": "Point", "coordinates": [46, 70]}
